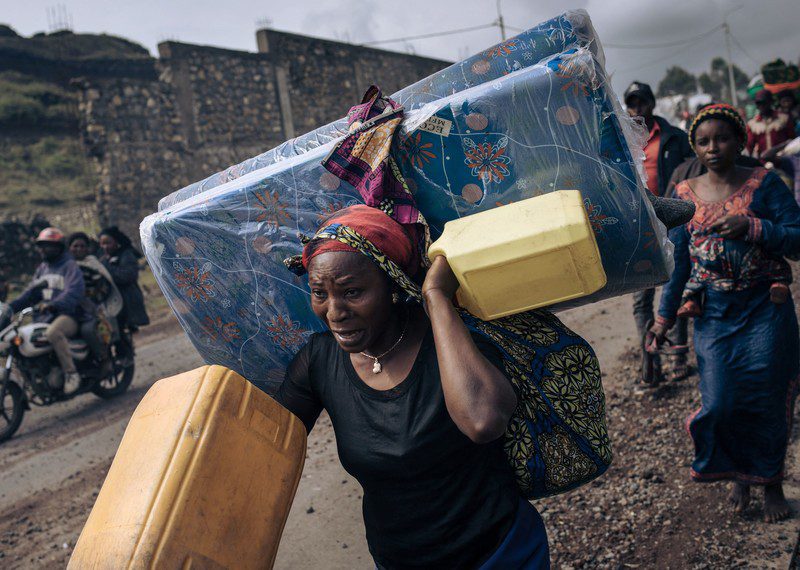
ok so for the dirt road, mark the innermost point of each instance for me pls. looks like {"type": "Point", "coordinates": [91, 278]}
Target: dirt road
{"type": "Point", "coordinates": [644, 513]}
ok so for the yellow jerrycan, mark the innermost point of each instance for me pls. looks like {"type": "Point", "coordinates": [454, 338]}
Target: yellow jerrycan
{"type": "Point", "coordinates": [529, 254]}
{"type": "Point", "coordinates": [204, 478]}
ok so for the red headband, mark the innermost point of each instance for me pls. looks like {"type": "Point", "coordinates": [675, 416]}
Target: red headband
{"type": "Point", "coordinates": [396, 241]}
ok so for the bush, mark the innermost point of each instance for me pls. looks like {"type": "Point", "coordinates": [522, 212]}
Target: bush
{"type": "Point", "coordinates": [17, 110]}
{"type": "Point", "coordinates": [26, 102]}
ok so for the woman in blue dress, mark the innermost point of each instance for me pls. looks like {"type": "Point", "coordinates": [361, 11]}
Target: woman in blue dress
{"type": "Point", "coordinates": [731, 257]}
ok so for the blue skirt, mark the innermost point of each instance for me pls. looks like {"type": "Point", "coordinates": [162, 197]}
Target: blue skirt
{"type": "Point", "coordinates": [525, 546]}
{"type": "Point", "coordinates": [748, 355]}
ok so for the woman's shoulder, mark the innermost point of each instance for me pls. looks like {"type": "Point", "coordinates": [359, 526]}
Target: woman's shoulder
{"type": "Point", "coordinates": [318, 346]}
{"type": "Point", "coordinates": [685, 188]}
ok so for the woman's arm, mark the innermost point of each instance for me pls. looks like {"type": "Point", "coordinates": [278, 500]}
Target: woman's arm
{"type": "Point", "coordinates": [779, 230]}
{"type": "Point", "coordinates": [479, 398]}
{"type": "Point", "coordinates": [673, 290]}
{"type": "Point", "coordinates": [296, 393]}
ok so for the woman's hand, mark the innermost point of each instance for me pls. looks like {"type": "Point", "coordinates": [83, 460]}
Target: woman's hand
{"type": "Point", "coordinates": [440, 278]}
{"type": "Point", "coordinates": [659, 331]}
{"type": "Point", "coordinates": [731, 227]}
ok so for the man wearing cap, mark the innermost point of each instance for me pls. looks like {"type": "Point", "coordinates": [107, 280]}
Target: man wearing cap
{"type": "Point", "coordinates": [667, 147]}
{"type": "Point", "coordinates": [768, 129]}
{"type": "Point", "coordinates": [57, 292]}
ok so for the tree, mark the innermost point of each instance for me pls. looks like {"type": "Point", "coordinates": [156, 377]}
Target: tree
{"type": "Point", "coordinates": [677, 81]}
{"type": "Point", "coordinates": [709, 85]}
{"type": "Point", "coordinates": [716, 82]}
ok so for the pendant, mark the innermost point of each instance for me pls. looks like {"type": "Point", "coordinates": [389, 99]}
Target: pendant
{"type": "Point", "coordinates": [376, 368]}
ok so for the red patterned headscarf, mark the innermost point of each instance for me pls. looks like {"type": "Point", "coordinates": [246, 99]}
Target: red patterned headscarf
{"type": "Point", "coordinates": [396, 241]}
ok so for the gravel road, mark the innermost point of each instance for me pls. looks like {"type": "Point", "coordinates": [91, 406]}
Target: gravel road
{"type": "Point", "coordinates": [643, 513]}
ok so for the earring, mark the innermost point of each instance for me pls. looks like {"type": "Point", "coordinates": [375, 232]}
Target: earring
{"type": "Point", "coordinates": [395, 298]}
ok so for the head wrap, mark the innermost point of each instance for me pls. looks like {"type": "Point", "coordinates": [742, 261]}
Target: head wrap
{"type": "Point", "coordinates": [722, 112]}
{"type": "Point", "coordinates": [396, 241]}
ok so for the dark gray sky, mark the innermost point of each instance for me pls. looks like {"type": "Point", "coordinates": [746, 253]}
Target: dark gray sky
{"type": "Point", "coordinates": [765, 29]}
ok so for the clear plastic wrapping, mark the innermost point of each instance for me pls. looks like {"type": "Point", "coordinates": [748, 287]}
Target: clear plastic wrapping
{"type": "Point", "coordinates": [217, 253]}
{"type": "Point", "coordinates": [569, 30]}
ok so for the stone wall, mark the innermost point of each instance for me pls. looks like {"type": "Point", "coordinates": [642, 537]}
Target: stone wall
{"type": "Point", "coordinates": [132, 132]}
{"type": "Point", "coordinates": [209, 108]}
{"type": "Point", "coordinates": [326, 78]}
{"type": "Point", "coordinates": [18, 256]}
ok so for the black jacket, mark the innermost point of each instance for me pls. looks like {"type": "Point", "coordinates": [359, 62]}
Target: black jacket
{"type": "Point", "coordinates": [673, 150]}
{"type": "Point", "coordinates": [124, 269]}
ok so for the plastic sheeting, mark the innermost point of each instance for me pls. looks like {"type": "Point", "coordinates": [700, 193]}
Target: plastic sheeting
{"type": "Point", "coordinates": [569, 30]}
{"type": "Point", "coordinates": [217, 254]}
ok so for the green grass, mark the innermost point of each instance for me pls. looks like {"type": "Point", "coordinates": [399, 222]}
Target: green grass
{"type": "Point", "coordinates": [27, 102]}
{"type": "Point", "coordinates": [44, 174]}
{"type": "Point", "coordinates": [154, 299]}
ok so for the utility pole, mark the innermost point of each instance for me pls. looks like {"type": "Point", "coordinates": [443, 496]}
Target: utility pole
{"type": "Point", "coordinates": [500, 22]}
{"type": "Point", "coordinates": [734, 98]}
{"type": "Point", "coordinates": [727, 29]}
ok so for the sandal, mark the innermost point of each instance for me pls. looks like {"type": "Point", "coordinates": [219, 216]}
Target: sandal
{"type": "Point", "coordinates": [677, 367]}
{"type": "Point", "coordinates": [674, 352]}
{"type": "Point", "coordinates": [650, 369]}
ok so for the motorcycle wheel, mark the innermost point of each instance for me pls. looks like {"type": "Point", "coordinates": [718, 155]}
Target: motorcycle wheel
{"type": "Point", "coordinates": [119, 381]}
{"type": "Point", "coordinates": [12, 408]}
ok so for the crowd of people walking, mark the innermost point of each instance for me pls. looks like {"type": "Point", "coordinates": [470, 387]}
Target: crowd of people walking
{"type": "Point", "coordinates": [731, 279]}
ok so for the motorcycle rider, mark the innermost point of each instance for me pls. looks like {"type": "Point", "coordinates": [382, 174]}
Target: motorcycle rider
{"type": "Point", "coordinates": [57, 292]}
{"type": "Point", "coordinates": [121, 260]}
{"type": "Point", "coordinates": [100, 289]}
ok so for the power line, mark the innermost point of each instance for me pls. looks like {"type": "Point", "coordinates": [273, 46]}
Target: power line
{"type": "Point", "coordinates": [744, 51]}
{"type": "Point", "coordinates": [664, 44]}
{"type": "Point", "coordinates": [433, 35]}
{"type": "Point", "coordinates": [666, 57]}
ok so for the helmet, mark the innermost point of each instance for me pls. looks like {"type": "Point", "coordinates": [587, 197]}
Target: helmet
{"type": "Point", "coordinates": [50, 235]}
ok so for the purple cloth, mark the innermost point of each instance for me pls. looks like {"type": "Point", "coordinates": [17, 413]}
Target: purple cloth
{"type": "Point", "coordinates": [363, 160]}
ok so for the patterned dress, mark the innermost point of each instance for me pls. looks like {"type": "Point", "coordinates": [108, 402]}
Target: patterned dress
{"type": "Point", "coordinates": [748, 350]}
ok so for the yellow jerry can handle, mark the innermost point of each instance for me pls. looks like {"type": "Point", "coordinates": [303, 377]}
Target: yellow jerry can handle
{"type": "Point", "coordinates": [533, 253]}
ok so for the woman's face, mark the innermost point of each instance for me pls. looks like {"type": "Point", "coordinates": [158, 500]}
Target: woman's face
{"type": "Point", "coordinates": [79, 249]}
{"type": "Point", "coordinates": [353, 297]}
{"type": "Point", "coordinates": [108, 244]}
{"type": "Point", "coordinates": [717, 145]}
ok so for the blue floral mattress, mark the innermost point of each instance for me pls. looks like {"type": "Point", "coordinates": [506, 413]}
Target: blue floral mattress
{"type": "Point", "coordinates": [569, 30]}
{"type": "Point", "coordinates": [217, 254]}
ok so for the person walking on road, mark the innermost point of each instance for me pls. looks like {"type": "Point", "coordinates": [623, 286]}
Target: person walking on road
{"type": "Point", "coordinates": [768, 129]}
{"type": "Point", "coordinates": [745, 336]}
{"type": "Point", "coordinates": [667, 147]}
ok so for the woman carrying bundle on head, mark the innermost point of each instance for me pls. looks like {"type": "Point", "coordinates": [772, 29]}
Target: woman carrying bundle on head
{"type": "Point", "coordinates": [732, 276]}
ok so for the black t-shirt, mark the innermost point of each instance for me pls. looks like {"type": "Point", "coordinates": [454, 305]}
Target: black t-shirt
{"type": "Point", "coordinates": [432, 497]}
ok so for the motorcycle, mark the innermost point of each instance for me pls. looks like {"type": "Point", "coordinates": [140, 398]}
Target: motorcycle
{"type": "Point", "coordinates": [32, 375]}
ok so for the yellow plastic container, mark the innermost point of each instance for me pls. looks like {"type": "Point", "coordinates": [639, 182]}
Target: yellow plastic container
{"type": "Point", "coordinates": [204, 478]}
{"type": "Point", "coordinates": [529, 254]}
